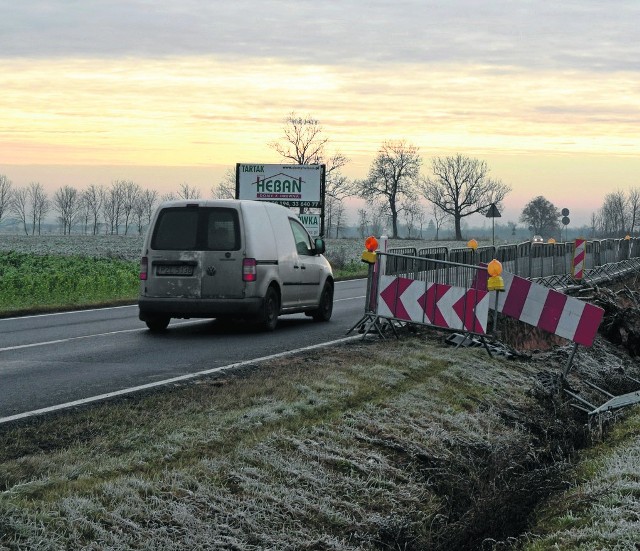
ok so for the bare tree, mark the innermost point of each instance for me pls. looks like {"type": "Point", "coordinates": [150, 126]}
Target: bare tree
{"type": "Point", "coordinates": [144, 208]}
{"type": "Point", "coordinates": [412, 211]}
{"type": "Point", "coordinates": [363, 222]}
{"type": "Point", "coordinates": [303, 143]}
{"type": "Point", "coordinates": [19, 207]}
{"type": "Point", "coordinates": [39, 205]}
{"type": "Point", "coordinates": [420, 220]}
{"type": "Point", "coordinates": [130, 193]}
{"type": "Point", "coordinates": [595, 223]}
{"type": "Point", "coordinates": [226, 188]}
{"type": "Point", "coordinates": [633, 203]}
{"type": "Point", "coordinates": [379, 215]}
{"type": "Point", "coordinates": [93, 198]}
{"type": "Point", "coordinates": [338, 217]}
{"type": "Point", "coordinates": [85, 213]}
{"type": "Point", "coordinates": [614, 214]}
{"type": "Point", "coordinates": [6, 195]}
{"type": "Point", "coordinates": [439, 218]}
{"type": "Point", "coordinates": [393, 177]}
{"type": "Point", "coordinates": [112, 206]}
{"type": "Point", "coordinates": [66, 201]}
{"type": "Point", "coordinates": [460, 186]}
{"type": "Point", "coordinates": [334, 215]}
{"type": "Point", "coordinates": [188, 192]}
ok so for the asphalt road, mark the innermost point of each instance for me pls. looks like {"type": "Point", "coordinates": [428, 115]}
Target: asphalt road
{"type": "Point", "coordinates": [54, 359]}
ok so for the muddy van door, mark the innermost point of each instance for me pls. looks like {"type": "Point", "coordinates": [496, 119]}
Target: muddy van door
{"type": "Point", "coordinates": [173, 256]}
{"type": "Point", "coordinates": [222, 254]}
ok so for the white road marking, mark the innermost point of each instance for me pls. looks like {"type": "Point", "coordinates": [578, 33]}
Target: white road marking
{"type": "Point", "coordinates": [350, 298]}
{"type": "Point", "coordinates": [164, 382]}
{"type": "Point", "coordinates": [58, 341]}
{"type": "Point", "coordinates": [69, 312]}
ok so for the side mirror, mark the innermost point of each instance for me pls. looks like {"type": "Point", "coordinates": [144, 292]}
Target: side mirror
{"type": "Point", "coordinates": [319, 245]}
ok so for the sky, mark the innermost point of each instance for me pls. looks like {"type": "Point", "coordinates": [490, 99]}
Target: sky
{"type": "Point", "coordinates": [171, 92]}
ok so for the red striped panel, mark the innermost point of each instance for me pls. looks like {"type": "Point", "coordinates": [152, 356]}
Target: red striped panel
{"type": "Point", "coordinates": [588, 325]}
{"type": "Point", "coordinates": [516, 297]}
{"type": "Point", "coordinates": [550, 315]}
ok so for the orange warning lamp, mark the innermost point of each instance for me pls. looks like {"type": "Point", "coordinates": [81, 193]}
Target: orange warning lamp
{"type": "Point", "coordinates": [627, 237]}
{"type": "Point", "coordinates": [371, 244]}
{"type": "Point", "coordinates": [495, 281]}
{"type": "Point", "coordinates": [472, 244]}
{"type": "Point", "coordinates": [551, 240]}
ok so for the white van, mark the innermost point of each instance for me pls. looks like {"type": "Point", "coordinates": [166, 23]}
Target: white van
{"type": "Point", "coordinates": [229, 258]}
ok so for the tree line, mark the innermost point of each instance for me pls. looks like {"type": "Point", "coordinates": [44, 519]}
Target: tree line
{"type": "Point", "coordinates": [458, 186]}
{"type": "Point", "coordinates": [120, 208]}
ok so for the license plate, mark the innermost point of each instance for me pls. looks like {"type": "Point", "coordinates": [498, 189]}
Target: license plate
{"type": "Point", "coordinates": [183, 270]}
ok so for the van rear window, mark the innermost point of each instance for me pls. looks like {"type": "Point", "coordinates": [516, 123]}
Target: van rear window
{"type": "Point", "coordinates": [197, 229]}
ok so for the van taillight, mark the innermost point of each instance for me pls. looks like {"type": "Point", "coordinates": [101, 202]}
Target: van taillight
{"type": "Point", "coordinates": [144, 264]}
{"type": "Point", "coordinates": [249, 269]}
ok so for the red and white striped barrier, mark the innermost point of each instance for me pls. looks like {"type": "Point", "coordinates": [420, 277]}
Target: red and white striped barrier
{"type": "Point", "coordinates": [433, 304]}
{"type": "Point", "coordinates": [549, 310]}
{"type": "Point", "coordinates": [579, 254]}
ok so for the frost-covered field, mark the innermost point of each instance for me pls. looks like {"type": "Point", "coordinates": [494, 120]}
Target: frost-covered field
{"type": "Point", "coordinates": [124, 247]}
{"type": "Point", "coordinates": [129, 247]}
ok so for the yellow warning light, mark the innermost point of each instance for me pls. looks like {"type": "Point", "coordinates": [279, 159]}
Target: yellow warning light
{"type": "Point", "coordinates": [369, 257]}
{"type": "Point", "coordinates": [371, 244]}
{"type": "Point", "coordinates": [495, 281]}
{"type": "Point", "coordinates": [627, 237]}
{"type": "Point", "coordinates": [551, 240]}
{"type": "Point", "coordinates": [494, 268]}
{"type": "Point", "coordinates": [472, 244]}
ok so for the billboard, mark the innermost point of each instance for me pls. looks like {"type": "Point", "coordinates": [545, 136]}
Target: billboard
{"type": "Point", "coordinates": [288, 185]}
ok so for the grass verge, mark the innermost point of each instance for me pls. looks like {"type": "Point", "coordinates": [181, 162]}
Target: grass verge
{"type": "Point", "coordinates": [397, 445]}
{"type": "Point", "coordinates": [600, 510]}
{"type": "Point", "coordinates": [42, 282]}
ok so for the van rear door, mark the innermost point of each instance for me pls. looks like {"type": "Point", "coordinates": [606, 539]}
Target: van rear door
{"type": "Point", "coordinates": [221, 254]}
{"type": "Point", "coordinates": [195, 253]}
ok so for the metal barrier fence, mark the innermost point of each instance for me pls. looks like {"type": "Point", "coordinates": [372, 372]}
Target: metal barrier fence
{"type": "Point", "coordinates": [427, 291]}
{"type": "Point", "coordinates": [453, 294]}
{"type": "Point", "coordinates": [546, 263]}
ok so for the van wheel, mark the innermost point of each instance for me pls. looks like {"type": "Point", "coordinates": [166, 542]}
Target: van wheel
{"type": "Point", "coordinates": [270, 310]}
{"type": "Point", "coordinates": [157, 323]}
{"type": "Point", "coordinates": [325, 308]}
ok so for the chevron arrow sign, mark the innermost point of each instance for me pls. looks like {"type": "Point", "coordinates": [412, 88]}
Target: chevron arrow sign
{"type": "Point", "coordinates": [435, 304]}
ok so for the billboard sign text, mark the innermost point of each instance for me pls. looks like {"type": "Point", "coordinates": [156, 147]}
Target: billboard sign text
{"type": "Point", "coordinates": [288, 185]}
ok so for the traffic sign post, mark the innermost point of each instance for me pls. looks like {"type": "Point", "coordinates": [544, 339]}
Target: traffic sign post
{"type": "Point", "coordinates": [565, 222]}
{"type": "Point", "coordinates": [493, 213]}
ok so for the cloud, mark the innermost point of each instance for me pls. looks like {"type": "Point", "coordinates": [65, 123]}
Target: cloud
{"type": "Point", "coordinates": [585, 34]}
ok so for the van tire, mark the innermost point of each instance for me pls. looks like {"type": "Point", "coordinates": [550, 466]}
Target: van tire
{"type": "Point", "coordinates": [325, 308]}
{"type": "Point", "coordinates": [156, 324]}
{"type": "Point", "coordinates": [270, 310]}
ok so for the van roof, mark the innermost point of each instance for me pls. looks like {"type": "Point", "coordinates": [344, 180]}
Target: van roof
{"type": "Point", "coordinates": [215, 203]}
